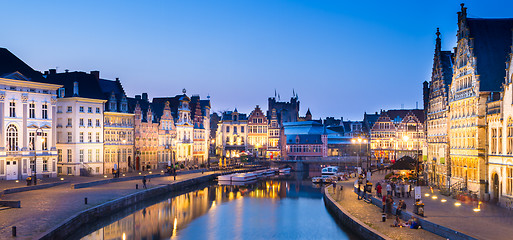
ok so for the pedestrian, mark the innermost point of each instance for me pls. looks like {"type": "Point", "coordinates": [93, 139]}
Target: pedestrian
{"type": "Point", "coordinates": [378, 189]}
{"type": "Point", "coordinates": [359, 191]}
{"type": "Point", "coordinates": [399, 208]}
{"type": "Point", "coordinates": [144, 182]}
{"type": "Point", "coordinates": [383, 202]}
{"type": "Point", "coordinates": [389, 189]}
{"type": "Point", "coordinates": [393, 188]}
{"type": "Point", "coordinates": [398, 190]}
{"type": "Point", "coordinates": [389, 204]}
{"type": "Point", "coordinates": [409, 191]}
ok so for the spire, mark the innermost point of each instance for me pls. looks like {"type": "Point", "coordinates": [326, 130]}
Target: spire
{"type": "Point", "coordinates": [438, 47]}
{"type": "Point", "coordinates": [275, 93]}
{"type": "Point", "coordinates": [293, 93]}
{"type": "Point", "coordinates": [235, 110]}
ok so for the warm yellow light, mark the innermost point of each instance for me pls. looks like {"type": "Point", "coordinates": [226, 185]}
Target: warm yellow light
{"type": "Point", "coordinates": [434, 197]}
{"type": "Point", "coordinates": [105, 176]}
{"type": "Point", "coordinates": [353, 141]}
{"type": "Point", "coordinates": [477, 209]}
{"type": "Point", "coordinates": [364, 140]}
{"type": "Point", "coordinates": [123, 175]}
{"type": "Point", "coordinates": [62, 179]}
{"type": "Point", "coordinates": [139, 173]}
{"type": "Point", "coordinates": [406, 138]}
{"type": "Point", "coordinates": [124, 236]}
{"type": "Point", "coordinates": [359, 140]}
{"type": "Point", "coordinates": [457, 204]}
{"type": "Point", "coordinates": [17, 181]}
{"type": "Point", "coordinates": [443, 200]}
{"type": "Point", "coordinates": [161, 171]}
{"type": "Point", "coordinates": [150, 172]}
{"type": "Point", "coordinates": [427, 194]}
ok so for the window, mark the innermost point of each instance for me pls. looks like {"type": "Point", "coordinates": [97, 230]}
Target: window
{"type": "Point", "coordinates": [90, 136]}
{"type": "Point", "coordinates": [97, 137]}
{"type": "Point", "coordinates": [97, 169]}
{"type": "Point", "coordinates": [44, 142]}
{"type": "Point", "coordinates": [12, 109]}
{"type": "Point", "coordinates": [227, 128]}
{"type": "Point", "coordinates": [70, 137]}
{"type": "Point", "coordinates": [97, 155]}
{"type": "Point", "coordinates": [70, 109]}
{"type": "Point", "coordinates": [12, 138]}
{"type": "Point", "coordinates": [59, 155]}
{"type": "Point", "coordinates": [81, 155]}
{"type": "Point", "coordinates": [32, 110]}
{"type": "Point", "coordinates": [509, 181]}
{"type": "Point", "coordinates": [89, 122]}
{"type": "Point", "coordinates": [242, 129]}
{"type": "Point", "coordinates": [89, 109]}
{"type": "Point", "coordinates": [98, 122]}
{"type": "Point", "coordinates": [44, 113]}
{"type": "Point", "coordinates": [81, 137]}
{"type": "Point", "coordinates": [81, 109]}
{"type": "Point", "coordinates": [81, 122]}
{"type": "Point", "coordinates": [70, 171]}
{"type": "Point", "coordinates": [33, 165]}
{"type": "Point", "coordinates": [70, 157]}
{"type": "Point", "coordinates": [32, 140]}
{"type": "Point", "coordinates": [90, 155]}
{"type": "Point", "coordinates": [97, 110]}
{"type": "Point", "coordinates": [70, 121]}
{"type": "Point", "coordinates": [45, 165]}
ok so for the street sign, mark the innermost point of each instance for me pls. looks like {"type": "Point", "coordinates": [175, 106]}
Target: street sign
{"type": "Point", "coordinates": [418, 194]}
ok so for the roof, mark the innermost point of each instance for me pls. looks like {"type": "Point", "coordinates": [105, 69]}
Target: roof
{"type": "Point", "coordinates": [404, 163]}
{"type": "Point", "coordinates": [304, 139]}
{"type": "Point", "coordinates": [88, 85]}
{"type": "Point", "coordinates": [227, 116]}
{"type": "Point", "coordinates": [492, 40]}
{"type": "Point", "coordinates": [9, 63]}
{"type": "Point", "coordinates": [398, 115]}
{"type": "Point", "coordinates": [446, 59]}
{"type": "Point", "coordinates": [306, 128]}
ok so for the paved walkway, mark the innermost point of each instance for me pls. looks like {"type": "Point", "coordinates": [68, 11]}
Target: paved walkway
{"type": "Point", "coordinates": [491, 222]}
{"type": "Point", "coordinates": [46, 208]}
{"type": "Point", "coordinates": [371, 215]}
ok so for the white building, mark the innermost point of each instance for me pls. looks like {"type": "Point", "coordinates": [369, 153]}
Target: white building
{"type": "Point", "coordinates": [27, 115]}
{"type": "Point", "coordinates": [80, 110]}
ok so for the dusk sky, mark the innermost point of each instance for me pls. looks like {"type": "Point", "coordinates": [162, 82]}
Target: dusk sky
{"type": "Point", "coordinates": [342, 57]}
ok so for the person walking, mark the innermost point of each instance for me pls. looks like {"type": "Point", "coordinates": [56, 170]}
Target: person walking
{"type": "Point", "coordinates": [389, 204]}
{"type": "Point", "coordinates": [378, 189]}
{"type": "Point", "coordinates": [359, 191]}
{"type": "Point", "coordinates": [389, 189]}
{"type": "Point", "coordinates": [409, 190]}
{"type": "Point", "coordinates": [144, 182]}
{"type": "Point", "coordinates": [398, 190]}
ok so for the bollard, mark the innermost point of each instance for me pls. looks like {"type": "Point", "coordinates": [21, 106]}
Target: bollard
{"type": "Point", "coordinates": [383, 217]}
{"type": "Point", "coordinates": [85, 200]}
{"type": "Point", "coordinates": [136, 186]}
{"type": "Point", "coordinates": [14, 231]}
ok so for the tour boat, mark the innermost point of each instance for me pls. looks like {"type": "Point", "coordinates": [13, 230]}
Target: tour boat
{"type": "Point", "coordinates": [317, 179]}
{"type": "Point", "coordinates": [326, 179]}
{"type": "Point", "coordinates": [329, 171]}
{"type": "Point", "coordinates": [243, 177]}
{"type": "Point", "coordinates": [225, 177]}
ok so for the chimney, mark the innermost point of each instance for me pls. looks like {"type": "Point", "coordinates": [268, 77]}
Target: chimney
{"type": "Point", "coordinates": [138, 97]}
{"type": "Point", "coordinates": [117, 79]}
{"type": "Point", "coordinates": [46, 73]}
{"type": "Point", "coordinates": [96, 74]}
{"type": "Point", "coordinates": [145, 96]}
{"type": "Point", "coordinates": [75, 89]}
{"type": "Point", "coordinates": [52, 71]}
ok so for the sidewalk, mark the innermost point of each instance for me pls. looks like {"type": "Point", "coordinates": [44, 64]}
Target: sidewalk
{"type": "Point", "coordinates": [46, 208]}
{"type": "Point", "coordinates": [371, 215]}
{"type": "Point", "coordinates": [491, 222]}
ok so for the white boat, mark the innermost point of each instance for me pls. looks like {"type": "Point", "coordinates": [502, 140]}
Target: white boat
{"type": "Point", "coordinates": [285, 170]}
{"type": "Point", "coordinates": [225, 177]}
{"type": "Point", "coordinates": [244, 177]}
{"type": "Point", "coordinates": [326, 179]}
{"type": "Point", "coordinates": [329, 171]}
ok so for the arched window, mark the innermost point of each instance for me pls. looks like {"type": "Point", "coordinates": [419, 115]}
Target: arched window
{"type": "Point", "coordinates": [12, 138]}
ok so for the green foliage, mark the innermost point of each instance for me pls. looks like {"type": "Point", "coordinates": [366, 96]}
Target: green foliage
{"type": "Point", "coordinates": [388, 175]}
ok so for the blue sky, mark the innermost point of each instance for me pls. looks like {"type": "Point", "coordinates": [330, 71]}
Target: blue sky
{"type": "Point", "coordinates": [341, 57]}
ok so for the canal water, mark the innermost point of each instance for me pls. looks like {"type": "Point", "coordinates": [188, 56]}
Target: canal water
{"type": "Point", "coordinates": [277, 208]}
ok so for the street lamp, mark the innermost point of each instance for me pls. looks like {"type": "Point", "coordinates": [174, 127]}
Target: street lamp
{"type": "Point", "coordinates": [359, 141]}
{"type": "Point", "coordinates": [39, 132]}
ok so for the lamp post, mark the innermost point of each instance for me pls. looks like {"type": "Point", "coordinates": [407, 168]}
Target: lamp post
{"type": "Point", "coordinates": [406, 138]}
{"type": "Point", "coordinates": [39, 132]}
{"type": "Point", "coordinates": [359, 141]}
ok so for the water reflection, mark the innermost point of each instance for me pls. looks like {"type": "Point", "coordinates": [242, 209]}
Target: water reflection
{"type": "Point", "coordinates": [219, 212]}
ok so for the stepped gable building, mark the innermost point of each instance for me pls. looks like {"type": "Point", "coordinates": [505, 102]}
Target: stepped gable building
{"type": "Point", "coordinates": [275, 133]}
{"type": "Point", "coordinates": [118, 126]}
{"type": "Point", "coordinates": [231, 137]}
{"type": "Point", "coordinates": [80, 107]}
{"type": "Point", "coordinates": [479, 71]}
{"type": "Point", "coordinates": [146, 133]}
{"type": "Point", "coordinates": [189, 117]}
{"type": "Point", "coordinates": [438, 164]}
{"type": "Point", "coordinates": [397, 133]}
{"type": "Point", "coordinates": [28, 107]}
{"type": "Point", "coordinates": [257, 133]}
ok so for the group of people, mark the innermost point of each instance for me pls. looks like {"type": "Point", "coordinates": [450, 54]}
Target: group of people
{"type": "Point", "coordinates": [394, 189]}
{"type": "Point", "coordinates": [412, 223]}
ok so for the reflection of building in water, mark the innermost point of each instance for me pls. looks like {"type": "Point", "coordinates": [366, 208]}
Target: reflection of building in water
{"type": "Point", "coordinates": [165, 219]}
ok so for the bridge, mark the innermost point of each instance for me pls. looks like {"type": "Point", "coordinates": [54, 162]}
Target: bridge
{"type": "Point", "coordinates": [314, 163]}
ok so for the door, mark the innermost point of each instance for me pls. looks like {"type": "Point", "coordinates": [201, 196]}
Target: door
{"type": "Point", "coordinates": [12, 169]}
{"type": "Point", "coordinates": [495, 188]}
